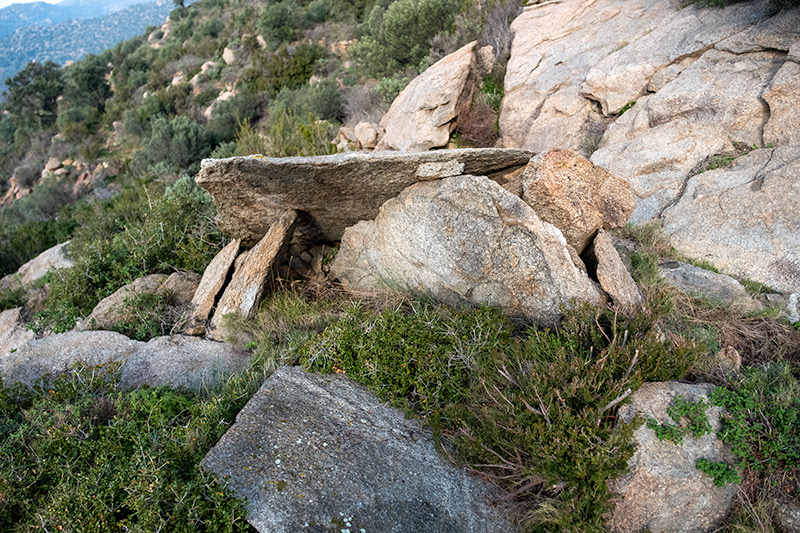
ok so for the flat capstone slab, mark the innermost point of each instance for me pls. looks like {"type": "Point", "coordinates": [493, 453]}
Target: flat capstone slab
{"type": "Point", "coordinates": [320, 453]}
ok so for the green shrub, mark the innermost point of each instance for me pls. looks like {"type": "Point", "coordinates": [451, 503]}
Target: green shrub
{"type": "Point", "coordinates": [179, 143]}
{"type": "Point", "coordinates": [530, 412]}
{"type": "Point", "coordinates": [294, 68]}
{"type": "Point", "coordinates": [230, 114]}
{"type": "Point", "coordinates": [83, 456]}
{"type": "Point", "coordinates": [722, 473]}
{"type": "Point", "coordinates": [294, 135]}
{"type": "Point", "coordinates": [11, 298]}
{"type": "Point", "coordinates": [762, 424]}
{"type": "Point", "coordinates": [139, 232]}
{"type": "Point", "coordinates": [399, 36]}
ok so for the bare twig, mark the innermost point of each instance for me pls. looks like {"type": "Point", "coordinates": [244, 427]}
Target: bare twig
{"type": "Point", "coordinates": [612, 403]}
{"type": "Point", "coordinates": [633, 363]}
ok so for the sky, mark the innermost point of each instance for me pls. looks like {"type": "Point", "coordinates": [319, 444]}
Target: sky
{"type": "Point", "coordinates": [6, 3]}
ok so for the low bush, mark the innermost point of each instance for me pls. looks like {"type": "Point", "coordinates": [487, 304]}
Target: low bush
{"type": "Point", "coordinates": [291, 134]}
{"type": "Point", "coordinates": [141, 231]}
{"type": "Point", "coordinates": [84, 456]}
{"type": "Point", "coordinates": [531, 409]}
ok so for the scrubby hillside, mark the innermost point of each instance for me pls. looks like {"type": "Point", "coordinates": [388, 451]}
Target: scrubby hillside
{"type": "Point", "coordinates": [104, 154]}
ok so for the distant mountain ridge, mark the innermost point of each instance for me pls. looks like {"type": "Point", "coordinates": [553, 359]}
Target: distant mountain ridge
{"type": "Point", "coordinates": [18, 16]}
{"type": "Point", "coordinates": [74, 38]}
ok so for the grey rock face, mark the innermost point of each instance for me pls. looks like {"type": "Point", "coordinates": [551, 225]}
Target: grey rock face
{"type": "Point", "coordinates": [332, 192]}
{"type": "Point", "coordinates": [13, 333]}
{"type": "Point", "coordinates": [320, 453]}
{"type": "Point", "coordinates": [718, 288]}
{"type": "Point", "coordinates": [51, 259]}
{"type": "Point", "coordinates": [744, 219]}
{"type": "Point", "coordinates": [664, 491]}
{"type": "Point", "coordinates": [465, 239]}
{"type": "Point", "coordinates": [175, 360]}
{"type": "Point", "coordinates": [112, 309]}
{"type": "Point", "coordinates": [714, 101]}
{"type": "Point", "coordinates": [424, 114]}
{"type": "Point", "coordinates": [555, 46]}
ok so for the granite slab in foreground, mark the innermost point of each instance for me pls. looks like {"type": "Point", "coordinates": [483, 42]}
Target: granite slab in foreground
{"type": "Point", "coordinates": [320, 453]}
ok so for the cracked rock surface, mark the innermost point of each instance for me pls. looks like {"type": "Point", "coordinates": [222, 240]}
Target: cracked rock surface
{"type": "Point", "coordinates": [744, 219]}
{"type": "Point", "coordinates": [320, 453]}
{"type": "Point", "coordinates": [659, 92]}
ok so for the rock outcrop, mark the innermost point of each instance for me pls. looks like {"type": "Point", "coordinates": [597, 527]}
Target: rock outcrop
{"type": "Point", "coordinates": [51, 259]}
{"type": "Point", "coordinates": [465, 239]}
{"type": "Point", "coordinates": [611, 272]}
{"type": "Point", "coordinates": [176, 360]}
{"type": "Point", "coordinates": [663, 91]}
{"type": "Point", "coordinates": [321, 452]}
{"type": "Point", "coordinates": [331, 192]}
{"type": "Point", "coordinates": [664, 491]}
{"type": "Point", "coordinates": [744, 219]}
{"type": "Point", "coordinates": [579, 198]}
{"type": "Point", "coordinates": [425, 113]}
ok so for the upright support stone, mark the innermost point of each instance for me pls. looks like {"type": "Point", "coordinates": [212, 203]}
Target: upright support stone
{"type": "Point", "coordinates": [244, 292]}
{"type": "Point", "coordinates": [212, 282]}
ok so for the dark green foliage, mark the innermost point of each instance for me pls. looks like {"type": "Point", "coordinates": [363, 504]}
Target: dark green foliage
{"type": "Point", "coordinates": [399, 36]}
{"type": "Point", "coordinates": [137, 233]}
{"type": "Point", "coordinates": [696, 422]}
{"type": "Point", "coordinates": [292, 68]}
{"type": "Point", "coordinates": [83, 456]}
{"type": "Point", "coordinates": [31, 95]}
{"type": "Point", "coordinates": [279, 22]}
{"type": "Point", "coordinates": [150, 312]}
{"type": "Point", "coordinates": [33, 224]}
{"type": "Point", "coordinates": [529, 412]}
{"type": "Point", "coordinates": [419, 361]}
{"type": "Point", "coordinates": [722, 473]}
{"type": "Point", "coordinates": [325, 100]}
{"type": "Point", "coordinates": [292, 134]}
{"type": "Point", "coordinates": [763, 420]}
{"type": "Point", "coordinates": [11, 298]}
{"type": "Point", "coordinates": [230, 114]}
{"type": "Point", "coordinates": [179, 144]}
{"type": "Point", "coordinates": [773, 7]}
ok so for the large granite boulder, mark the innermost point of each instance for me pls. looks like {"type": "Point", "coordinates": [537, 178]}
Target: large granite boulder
{"type": "Point", "coordinates": [321, 453]}
{"type": "Point", "coordinates": [744, 219]}
{"type": "Point", "coordinates": [425, 113]}
{"type": "Point", "coordinates": [579, 198]}
{"type": "Point", "coordinates": [465, 239]}
{"type": "Point", "coordinates": [719, 95]}
{"type": "Point", "coordinates": [175, 360]}
{"type": "Point", "coordinates": [331, 192]}
{"type": "Point", "coordinates": [555, 45]}
{"type": "Point", "coordinates": [664, 491]}
{"type": "Point", "coordinates": [678, 85]}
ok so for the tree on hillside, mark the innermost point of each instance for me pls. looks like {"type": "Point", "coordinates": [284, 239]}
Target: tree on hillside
{"type": "Point", "coordinates": [32, 94]}
{"type": "Point", "coordinates": [178, 3]}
